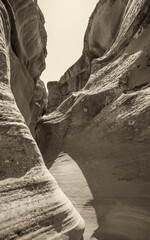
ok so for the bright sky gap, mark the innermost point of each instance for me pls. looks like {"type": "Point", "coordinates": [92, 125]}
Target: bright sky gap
{"type": "Point", "coordinates": [66, 22]}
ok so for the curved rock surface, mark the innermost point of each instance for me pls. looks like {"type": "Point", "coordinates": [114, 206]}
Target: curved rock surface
{"type": "Point", "coordinates": [100, 34]}
{"type": "Point", "coordinates": [27, 53]}
{"type": "Point", "coordinates": [32, 206]}
{"type": "Point", "coordinates": [105, 127]}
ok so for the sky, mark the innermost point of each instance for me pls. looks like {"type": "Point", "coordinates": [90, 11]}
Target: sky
{"type": "Point", "coordinates": [66, 22]}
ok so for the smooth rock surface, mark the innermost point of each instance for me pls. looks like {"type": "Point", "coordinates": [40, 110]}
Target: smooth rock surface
{"type": "Point", "coordinates": [32, 206]}
{"type": "Point", "coordinates": [71, 179]}
{"type": "Point", "coordinates": [105, 127]}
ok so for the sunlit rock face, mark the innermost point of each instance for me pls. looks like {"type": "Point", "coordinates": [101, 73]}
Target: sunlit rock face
{"type": "Point", "coordinates": [32, 206]}
{"type": "Point", "coordinates": [100, 34]}
{"type": "Point", "coordinates": [105, 127]}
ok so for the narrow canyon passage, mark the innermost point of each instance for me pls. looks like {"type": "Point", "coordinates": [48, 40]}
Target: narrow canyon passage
{"type": "Point", "coordinates": [87, 139]}
{"type": "Point", "coordinates": [103, 129]}
{"type": "Point", "coordinates": [70, 178]}
{"type": "Point", "coordinates": [113, 208]}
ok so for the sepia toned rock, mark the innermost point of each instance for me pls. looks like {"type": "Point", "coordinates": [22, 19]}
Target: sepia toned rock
{"type": "Point", "coordinates": [38, 104]}
{"type": "Point", "coordinates": [100, 34]}
{"type": "Point", "coordinates": [27, 53]}
{"type": "Point", "coordinates": [101, 132]}
{"type": "Point", "coordinates": [32, 206]}
{"type": "Point", "coordinates": [53, 95]}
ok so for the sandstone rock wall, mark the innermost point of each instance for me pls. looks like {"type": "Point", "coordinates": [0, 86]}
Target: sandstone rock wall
{"type": "Point", "coordinates": [100, 34]}
{"type": "Point", "coordinates": [32, 206]}
{"type": "Point", "coordinates": [27, 52]}
{"type": "Point", "coordinates": [105, 127]}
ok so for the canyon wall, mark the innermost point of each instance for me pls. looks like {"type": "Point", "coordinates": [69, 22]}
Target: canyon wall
{"type": "Point", "coordinates": [99, 127]}
{"type": "Point", "coordinates": [27, 54]}
{"type": "Point", "coordinates": [100, 34]}
{"type": "Point", "coordinates": [32, 206]}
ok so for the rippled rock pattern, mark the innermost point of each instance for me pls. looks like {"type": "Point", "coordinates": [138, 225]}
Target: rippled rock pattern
{"type": "Point", "coordinates": [105, 126]}
{"type": "Point", "coordinates": [32, 206]}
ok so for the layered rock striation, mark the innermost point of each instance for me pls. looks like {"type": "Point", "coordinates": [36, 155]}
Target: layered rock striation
{"type": "Point", "coordinates": [27, 52]}
{"type": "Point", "coordinates": [100, 34]}
{"type": "Point", "coordinates": [32, 206]}
{"type": "Point", "coordinates": [105, 126]}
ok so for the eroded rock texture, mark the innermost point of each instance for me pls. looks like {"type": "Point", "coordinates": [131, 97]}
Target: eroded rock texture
{"type": "Point", "coordinates": [32, 206]}
{"type": "Point", "coordinates": [105, 127]}
{"type": "Point", "coordinates": [100, 34]}
{"type": "Point", "coordinates": [27, 53]}
{"type": "Point", "coordinates": [38, 104]}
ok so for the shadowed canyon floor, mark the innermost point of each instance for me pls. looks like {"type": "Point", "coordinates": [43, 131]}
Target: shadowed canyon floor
{"type": "Point", "coordinates": [71, 179]}
{"type": "Point", "coordinates": [112, 208]}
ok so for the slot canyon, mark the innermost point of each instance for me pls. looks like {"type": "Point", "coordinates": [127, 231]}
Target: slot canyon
{"type": "Point", "coordinates": [74, 159]}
